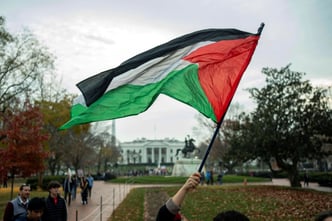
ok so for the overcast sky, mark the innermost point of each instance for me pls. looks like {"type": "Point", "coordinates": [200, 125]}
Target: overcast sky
{"type": "Point", "coordinates": [88, 37]}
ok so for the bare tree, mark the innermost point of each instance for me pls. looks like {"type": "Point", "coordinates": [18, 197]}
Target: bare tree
{"type": "Point", "coordinates": [24, 63]}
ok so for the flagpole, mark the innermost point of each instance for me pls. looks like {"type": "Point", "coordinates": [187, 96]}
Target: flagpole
{"type": "Point", "coordinates": [210, 145]}
{"type": "Point", "coordinates": [260, 29]}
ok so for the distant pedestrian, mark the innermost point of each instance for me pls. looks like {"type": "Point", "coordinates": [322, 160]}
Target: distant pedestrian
{"type": "Point", "coordinates": [306, 179]}
{"type": "Point", "coordinates": [211, 177]}
{"type": "Point", "coordinates": [55, 206]}
{"type": "Point", "coordinates": [202, 179]}
{"type": "Point", "coordinates": [219, 178]}
{"type": "Point", "coordinates": [74, 186]}
{"type": "Point", "coordinates": [5, 179]}
{"type": "Point", "coordinates": [208, 177]}
{"type": "Point", "coordinates": [16, 210]}
{"type": "Point", "coordinates": [90, 184]}
{"type": "Point", "coordinates": [67, 187]}
{"type": "Point", "coordinates": [84, 190]}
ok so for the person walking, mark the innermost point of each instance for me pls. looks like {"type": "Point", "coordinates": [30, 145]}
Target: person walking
{"type": "Point", "coordinates": [84, 190]}
{"type": "Point", "coordinates": [5, 179]}
{"type": "Point", "coordinates": [67, 187]}
{"type": "Point", "coordinates": [55, 205]}
{"type": "Point", "coordinates": [74, 187]}
{"type": "Point", "coordinates": [219, 178]}
{"type": "Point", "coordinates": [90, 184]}
{"type": "Point", "coordinates": [306, 179]}
{"type": "Point", "coordinates": [208, 177]}
{"type": "Point", "coordinates": [16, 210]}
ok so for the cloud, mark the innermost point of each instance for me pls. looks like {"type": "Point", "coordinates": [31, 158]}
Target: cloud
{"type": "Point", "coordinates": [92, 36]}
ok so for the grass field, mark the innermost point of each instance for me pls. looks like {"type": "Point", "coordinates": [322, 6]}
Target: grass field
{"type": "Point", "coordinates": [181, 180]}
{"type": "Point", "coordinates": [259, 203]}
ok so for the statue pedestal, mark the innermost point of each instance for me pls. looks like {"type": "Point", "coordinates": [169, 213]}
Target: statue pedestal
{"type": "Point", "coordinates": [185, 167]}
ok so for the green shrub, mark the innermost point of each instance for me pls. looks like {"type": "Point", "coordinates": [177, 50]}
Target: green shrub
{"type": "Point", "coordinates": [322, 178]}
{"type": "Point", "coordinates": [33, 181]}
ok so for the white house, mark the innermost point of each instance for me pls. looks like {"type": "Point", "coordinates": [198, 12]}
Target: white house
{"type": "Point", "coordinates": [146, 151]}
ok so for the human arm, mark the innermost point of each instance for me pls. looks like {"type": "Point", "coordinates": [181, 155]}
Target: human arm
{"type": "Point", "coordinates": [9, 212]}
{"type": "Point", "coordinates": [170, 210]}
{"type": "Point", "coordinates": [64, 212]}
{"type": "Point", "coordinates": [191, 183]}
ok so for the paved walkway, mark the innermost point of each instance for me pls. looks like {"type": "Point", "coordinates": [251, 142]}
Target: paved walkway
{"type": "Point", "coordinates": [105, 194]}
{"type": "Point", "coordinates": [111, 195]}
{"type": "Point", "coordinates": [315, 186]}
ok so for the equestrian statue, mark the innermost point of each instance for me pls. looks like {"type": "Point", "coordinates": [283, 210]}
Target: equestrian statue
{"type": "Point", "coordinates": [188, 148]}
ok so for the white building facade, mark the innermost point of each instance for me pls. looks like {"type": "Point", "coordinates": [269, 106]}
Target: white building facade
{"type": "Point", "coordinates": [155, 152]}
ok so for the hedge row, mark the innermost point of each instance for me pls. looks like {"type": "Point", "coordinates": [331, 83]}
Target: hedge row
{"type": "Point", "coordinates": [33, 181]}
{"type": "Point", "coordinates": [322, 178]}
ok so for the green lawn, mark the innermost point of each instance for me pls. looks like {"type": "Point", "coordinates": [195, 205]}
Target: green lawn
{"type": "Point", "coordinates": [259, 203]}
{"type": "Point", "coordinates": [181, 180]}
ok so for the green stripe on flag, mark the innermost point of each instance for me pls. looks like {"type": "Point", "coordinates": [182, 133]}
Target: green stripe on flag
{"type": "Point", "coordinates": [182, 85]}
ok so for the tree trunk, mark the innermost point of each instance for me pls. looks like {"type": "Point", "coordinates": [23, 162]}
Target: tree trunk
{"type": "Point", "coordinates": [12, 176]}
{"type": "Point", "coordinates": [294, 176]}
{"type": "Point", "coordinates": [51, 166]}
{"type": "Point", "coordinates": [291, 170]}
{"type": "Point", "coordinates": [40, 180]}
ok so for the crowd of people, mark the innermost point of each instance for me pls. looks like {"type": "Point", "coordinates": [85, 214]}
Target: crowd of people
{"type": "Point", "coordinates": [50, 208]}
{"type": "Point", "coordinates": [54, 206]}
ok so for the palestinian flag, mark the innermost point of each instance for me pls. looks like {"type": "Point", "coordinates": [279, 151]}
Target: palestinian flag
{"type": "Point", "coordinates": [201, 69]}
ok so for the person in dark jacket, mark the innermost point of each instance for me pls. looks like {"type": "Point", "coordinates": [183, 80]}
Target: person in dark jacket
{"type": "Point", "coordinates": [170, 211]}
{"type": "Point", "coordinates": [16, 210]}
{"type": "Point", "coordinates": [74, 187]}
{"type": "Point", "coordinates": [84, 190]}
{"type": "Point", "coordinates": [67, 188]}
{"type": "Point", "coordinates": [55, 205]}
